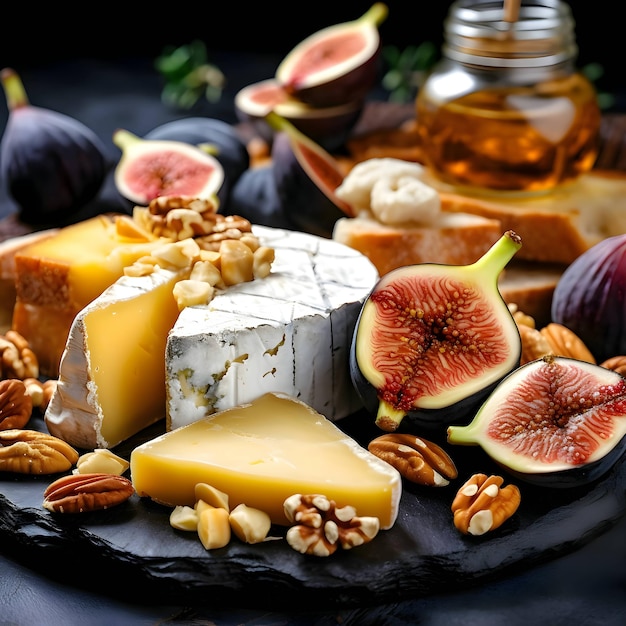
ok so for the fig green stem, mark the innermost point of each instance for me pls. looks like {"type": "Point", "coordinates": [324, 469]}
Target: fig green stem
{"type": "Point", "coordinates": [376, 15]}
{"type": "Point", "coordinates": [13, 89]}
{"type": "Point", "coordinates": [123, 138]}
{"type": "Point", "coordinates": [489, 266]}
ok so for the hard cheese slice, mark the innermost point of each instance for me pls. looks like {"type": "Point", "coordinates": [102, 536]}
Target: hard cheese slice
{"type": "Point", "coordinates": [112, 380]}
{"type": "Point", "coordinates": [289, 332]}
{"type": "Point", "coordinates": [261, 453]}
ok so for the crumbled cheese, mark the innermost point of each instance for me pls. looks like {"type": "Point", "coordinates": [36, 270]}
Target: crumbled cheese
{"type": "Point", "coordinates": [391, 190]}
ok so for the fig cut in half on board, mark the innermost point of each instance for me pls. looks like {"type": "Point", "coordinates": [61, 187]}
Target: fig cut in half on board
{"type": "Point", "coordinates": [307, 177]}
{"type": "Point", "coordinates": [330, 126]}
{"type": "Point", "coordinates": [433, 340]}
{"type": "Point", "coordinates": [337, 64]}
{"type": "Point", "coordinates": [553, 422]}
{"type": "Point", "coordinates": [150, 169]}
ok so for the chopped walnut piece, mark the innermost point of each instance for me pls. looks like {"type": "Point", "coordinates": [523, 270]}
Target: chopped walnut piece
{"type": "Point", "coordinates": [321, 527]}
{"type": "Point", "coordinates": [417, 459]}
{"type": "Point", "coordinates": [482, 504]}
{"type": "Point", "coordinates": [213, 527]}
{"type": "Point", "coordinates": [250, 525]}
{"type": "Point", "coordinates": [16, 405]}
{"type": "Point", "coordinates": [101, 461]}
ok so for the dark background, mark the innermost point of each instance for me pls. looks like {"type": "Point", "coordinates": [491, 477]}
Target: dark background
{"type": "Point", "coordinates": [35, 36]}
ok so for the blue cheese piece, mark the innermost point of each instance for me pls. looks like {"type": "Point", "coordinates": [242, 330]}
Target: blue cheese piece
{"type": "Point", "coordinates": [287, 333]}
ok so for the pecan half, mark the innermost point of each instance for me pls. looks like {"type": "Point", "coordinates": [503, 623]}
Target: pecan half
{"type": "Point", "coordinates": [33, 452]}
{"type": "Point", "coordinates": [565, 342]}
{"type": "Point", "coordinates": [417, 459]}
{"type": "Point", "coordinates": [16, 405]}
{"type": "Point", "coordinates": [17, 360]}
{"type": "Point", "coordinates": [616, 363]}
{"type": "Point", "coordinates": [482, 504]}
{"type": "Point", "coordinates": [321, 527]}
{"type": "Point", "coordinates": [81, 493]}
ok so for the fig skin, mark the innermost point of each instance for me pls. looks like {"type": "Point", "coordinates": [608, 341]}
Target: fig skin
{"type": "Point", "coordinates": [306, 178]}
{"type": "Point", "coordinates": [53, 165]}
{"type": "Point", "coordinates": [590, 298]}
{"type": "Point", "coordinates": [154, 182]}
{"type": "Point", "coordinates": [218, 137]}
{"type": "Point", "coordinates": [255, 197]}
{"type": "Point", "coordinates": [328, 126]}
{"type": "Point", "coordinates": [429, 378]}
{"type": "Point", "coordinates": [527, 418]}
{"type": "Point", "coordinates": [350, 78]}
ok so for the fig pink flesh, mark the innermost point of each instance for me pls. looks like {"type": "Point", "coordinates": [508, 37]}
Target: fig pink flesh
{"type": "Point", "coordinates": [558, 414]}
{"type": "Point", "coordinates": [325, 54]}
{"type": "Point", "coordinates": [167, 173]}
{"type": "Point", "coordinates": [424, 331]}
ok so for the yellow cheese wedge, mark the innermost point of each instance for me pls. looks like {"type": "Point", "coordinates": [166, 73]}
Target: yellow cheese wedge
{"type": "Point", "coordinates": [261, 453]}
{"type": "Point", "coordinates": [112, 374]}
{"type": "Point", "coordinates": [59, 275]}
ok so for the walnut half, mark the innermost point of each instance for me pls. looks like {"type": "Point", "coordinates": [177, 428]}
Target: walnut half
{"type": "Point", "coordinates": [321, 527]}
{"type": "Point", "coordinates": [482, 504]}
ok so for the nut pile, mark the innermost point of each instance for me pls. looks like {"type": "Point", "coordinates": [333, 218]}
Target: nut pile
{"type": "Point", "coordinates": [220, 250]}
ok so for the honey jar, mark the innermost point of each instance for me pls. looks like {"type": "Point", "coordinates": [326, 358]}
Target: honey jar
{"type": "Point", "coordinates": [505, 111]}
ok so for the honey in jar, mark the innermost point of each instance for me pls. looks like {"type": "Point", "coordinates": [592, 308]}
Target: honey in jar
{"type": "Point", "coordinates": [505, 111]}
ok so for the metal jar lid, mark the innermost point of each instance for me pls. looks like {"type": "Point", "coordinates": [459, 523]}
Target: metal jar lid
{"type": "Point", "coordinates": [476, 32]}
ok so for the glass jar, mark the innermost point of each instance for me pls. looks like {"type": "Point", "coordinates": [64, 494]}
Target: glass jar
{"type": "Point", "coordinates": [505, 110]}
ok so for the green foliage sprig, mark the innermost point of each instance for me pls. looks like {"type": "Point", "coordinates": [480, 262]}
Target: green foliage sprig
{"type": "Point", "coordinates": [189, 75]}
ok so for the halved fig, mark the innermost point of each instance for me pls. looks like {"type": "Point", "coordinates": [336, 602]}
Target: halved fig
{"type": "Point", "coordinates": [433, 340]}
{"type": "Point", "coordinates": [150, 169]}
{"type": "Point", "coordinates": [219, 138]}
{"type": "Point", "coordinates": [554, 422]}
{"type": "Point", "coordinates": [337, 64]}
{"type": "Point", "coordinates": [306, 179]}
{"type": "Point", "coordinates": [329, 126]}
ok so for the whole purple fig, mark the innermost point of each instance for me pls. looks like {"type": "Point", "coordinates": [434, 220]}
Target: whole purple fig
{"type": "Point", "coordinates": [51, 164]}
{"type": "Point", "coordinates": [590, 298]}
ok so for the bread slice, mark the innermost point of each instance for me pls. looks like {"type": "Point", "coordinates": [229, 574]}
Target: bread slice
{"type": "Point", "coordinates": [556, 227]}
{"type": "Point", "coordinates": [454, 239]}
{"type": "Point", "coordinates": [530, 287]}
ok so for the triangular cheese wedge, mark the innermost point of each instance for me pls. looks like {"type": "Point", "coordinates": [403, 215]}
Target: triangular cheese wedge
{"type": "Point", "coordinates": [112, 377]}
{"type": "Point", "coordinates": [261, 453]}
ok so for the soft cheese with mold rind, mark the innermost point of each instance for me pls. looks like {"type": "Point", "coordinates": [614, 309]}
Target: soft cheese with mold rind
{"type": "Point", "coordinates": [289, 332]}
{"type": "Point", "coordinates": [262, 452]}
{"type": "Point", "coordinates": [112, 373]}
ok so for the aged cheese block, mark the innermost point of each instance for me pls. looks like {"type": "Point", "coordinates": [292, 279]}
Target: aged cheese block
{"type": "Point", "coordinates": [111, 377]}
{"type": "Point", "coordinates": [8, 249]}
{"type": "Point", "coordinates": [262, 452]}
{"type": "Point", "coordinates": [289, 332]}
{"type": "Point", "coordinates": [453, 238]}
{"type": "Point", "coordinates": [59, 275]}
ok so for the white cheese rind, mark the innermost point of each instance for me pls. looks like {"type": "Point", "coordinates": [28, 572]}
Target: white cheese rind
{"type": "Point", "coordinates": [74, 413]}
{"type": "Point", "coordinates": [288, 333]}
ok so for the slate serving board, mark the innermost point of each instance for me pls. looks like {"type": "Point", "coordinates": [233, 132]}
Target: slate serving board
{"type": "Point", "coordinates": [142, 558]}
